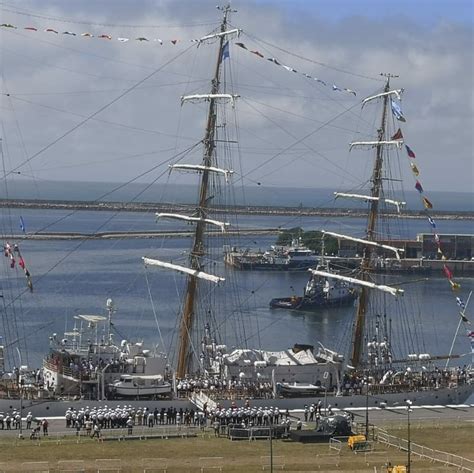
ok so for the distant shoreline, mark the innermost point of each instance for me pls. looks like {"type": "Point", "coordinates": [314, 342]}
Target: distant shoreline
{"type": "Point", "coordinates": [239, 209]}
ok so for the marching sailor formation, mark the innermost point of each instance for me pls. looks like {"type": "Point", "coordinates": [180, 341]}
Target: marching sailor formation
{"type": "Point", "coordinates": [126, 416]}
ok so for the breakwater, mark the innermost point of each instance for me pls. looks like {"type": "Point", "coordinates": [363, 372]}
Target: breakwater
{"type": "Point", "coordinates": [239, 209]}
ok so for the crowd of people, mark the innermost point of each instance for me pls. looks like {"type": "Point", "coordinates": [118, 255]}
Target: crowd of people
{"type": "Point", "coordinates": [406, 380]}
{"type": "Point", "coordinates": [225, 389]}
{"type": "Point", "coordinates": [13, 421]}
{"type": "Point", "coordinates": [126, 416]}
{"type": "Point", "coordinates": [10, 420]}
{"type": "Point", "coordinates": [248, 416]}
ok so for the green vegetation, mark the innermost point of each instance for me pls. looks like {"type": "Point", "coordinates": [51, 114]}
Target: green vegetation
{"type": "Point", "coordinates": [185, 455]}
{"type": "Point", "coordinates": [312, 239]}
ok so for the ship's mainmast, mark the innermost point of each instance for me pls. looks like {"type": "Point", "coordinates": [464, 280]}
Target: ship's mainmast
{"type": "Point", "coordinates": [366, 264]}
{"type": "Point", "coordinates": [197, 250]}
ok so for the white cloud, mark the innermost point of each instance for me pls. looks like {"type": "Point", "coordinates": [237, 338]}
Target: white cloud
{"type": "Point", "coordinates": [435, 64]}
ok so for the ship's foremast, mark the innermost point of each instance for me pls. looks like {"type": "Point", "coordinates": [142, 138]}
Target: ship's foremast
{"type": "Point", "coordinates": [366, 263]}
{"type": "Point", "coordinates": [197, 250]}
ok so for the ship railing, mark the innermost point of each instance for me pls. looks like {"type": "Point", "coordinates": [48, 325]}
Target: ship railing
{"type": "Point", "coordinates": [427, 453]}
{"type": "Point", "coordinates": [229, 394]}
{"type": "Point", "coordinates": [200, 398]}
{"type": "Point", "coordinates": [65, 370]}
{"type": "Point", "coordinates": [77, 374]}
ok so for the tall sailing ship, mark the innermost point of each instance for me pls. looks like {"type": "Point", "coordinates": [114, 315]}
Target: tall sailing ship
{"type": "Point", "coordinates": [379, 362]}
{"type": "Point", "coordinates": [391, 373]}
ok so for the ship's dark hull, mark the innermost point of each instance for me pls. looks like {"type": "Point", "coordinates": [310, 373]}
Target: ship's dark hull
{"type": "Point", "coordinates": [262, 266]}
{"type": "Point", "coordinates": [306, 303]}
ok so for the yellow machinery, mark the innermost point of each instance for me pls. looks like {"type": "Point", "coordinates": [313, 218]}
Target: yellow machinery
{"type": "Point", "coordinates": [397, 469]}
{"type": "Point", "coordinates": [356, 442]}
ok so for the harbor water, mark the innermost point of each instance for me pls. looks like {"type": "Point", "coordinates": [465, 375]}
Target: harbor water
{"type": "Point", "coordinates": [73, 277]}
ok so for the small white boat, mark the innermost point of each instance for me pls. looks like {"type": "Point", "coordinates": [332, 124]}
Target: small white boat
{"type": "Point", "coordinates": [130, 385]}
{"type": "Point", "coordinates": [299, 389]}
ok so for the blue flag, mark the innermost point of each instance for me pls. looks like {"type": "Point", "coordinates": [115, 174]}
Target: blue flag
{"type": "Point", "coordinates": [432, 222]}
{"type": "Point", "coordinates": [397, 111]}
{"type": "Point", "coordinates": [225, 51]}
{"type": "Point", "coordinates": [22, 224]}
{"type": "Point", "coordinates": [460, 303]}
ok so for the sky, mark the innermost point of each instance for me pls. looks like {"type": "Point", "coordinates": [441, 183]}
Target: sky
{"type": "Point", "coordinates": [87, 109]}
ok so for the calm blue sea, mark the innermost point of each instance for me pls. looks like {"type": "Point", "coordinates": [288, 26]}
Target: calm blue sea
{"type": "Point", "coordinates": [76, 277]}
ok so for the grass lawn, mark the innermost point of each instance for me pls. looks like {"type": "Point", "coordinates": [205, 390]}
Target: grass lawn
{"type": "Point", "coordinates": [183, 455]}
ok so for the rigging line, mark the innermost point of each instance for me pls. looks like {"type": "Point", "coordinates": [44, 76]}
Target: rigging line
{"type": "Point", "coordinates": [99, 228]}
{"type": "Point", "coordinates": [31, 334]}
{"type": "Point", "coordinates": [301, 140]}
{"type": "Point", "coordinates": [98, 56]}
{"type": "Point", "coordinates": [10, 288]}
{"type": "Point", "coordinates": [102, 161]}
{"type": "Point", "coordinates": [330, 97]}
{"type": "Point", "coordinates": [108, 122]}
{"type": "Point", "coordinates": [66, 48]}
{"type": "Point", "coordinates": [101, 109]}
{"type": "Point", "coordinates": [54, 66]}
{"type": "Point", "coordinates": [22, 140]}
{"type": "Point", "coordinates": [78, 92]}
{"type": "Point", "coordinates": [245, 301]}
{"type": "Point", "coordinates": [120, 186]}
{"type": "Point", "coordinates": [7, 194]}
{"type": "Point", "coordinates": [25, 12]}
{"type": "Point", "coordinates": [153, 308]}
{"type": "Point", "coordinates": [303, 117]}
{"type": "Point", "coordinates": [338, 69]}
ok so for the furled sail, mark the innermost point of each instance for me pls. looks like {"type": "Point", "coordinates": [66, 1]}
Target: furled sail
{"type": "Point", "coordinates": [200, 168]}
{"type": "Point", "coordinates": [221, 225]}
{"type": "Point", "coordinates": [396, 92]}
{"type": "Point", "coordinates": [232, 33]}
{"type": "Point", "coordinates": [365, 242]}
{"type": "Point", "coordinates": [207, 97]}
{"type": "Point", "coordinates": [391, 290]}
{"type": "Point", "coordinates": [183, 269]}
{"type": "Point", "coordinates": [374, 144]}
{"type": "Point", "coordinates": [397, 203]}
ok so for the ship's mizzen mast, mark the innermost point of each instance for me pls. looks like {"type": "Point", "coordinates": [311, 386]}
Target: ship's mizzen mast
{"type": "Point", "coordinates": [197, 250]}
{"type": "Point", "coordinates": [366, 264]}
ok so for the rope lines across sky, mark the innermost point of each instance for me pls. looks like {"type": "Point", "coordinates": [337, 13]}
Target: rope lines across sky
{"type": "Point", "coordinates": [97, 112]}
{"type": "Point", "coordinates": [313, 61]}
{"type": "Point", "coordinates": [28, 13]}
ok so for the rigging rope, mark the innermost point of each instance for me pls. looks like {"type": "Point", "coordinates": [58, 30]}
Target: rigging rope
{"type": "Point", "coordinates": [25, 12]}
{"type": "Point", "coordinates": [153, 308]}
{"type": "Point", "coordinates": [338, 69]}
{"type": "Point", "coordinates": [97, 112]}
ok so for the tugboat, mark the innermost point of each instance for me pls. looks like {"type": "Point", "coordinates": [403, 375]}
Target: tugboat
{"type": "Point", "coordinates": [320, 292]}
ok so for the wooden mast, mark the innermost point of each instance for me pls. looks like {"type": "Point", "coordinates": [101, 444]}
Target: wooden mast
{"type": "Point", "coordinates": [198, 245]}
{"type": "Point", "coordinates": [366, 264]}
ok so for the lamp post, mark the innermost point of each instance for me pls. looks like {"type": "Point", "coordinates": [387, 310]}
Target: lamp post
{"type": "Point", "coordinates": [366, 379]}
{"type": "Point", "coordinates": [408, 403]}
{"type": "Point", "coordinates": [271, 446]}
{"type": "Point", "coordinates": [22, 385]}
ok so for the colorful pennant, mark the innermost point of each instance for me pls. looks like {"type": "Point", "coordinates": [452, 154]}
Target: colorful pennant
{"type": "Point", "coordinates": [13, 253]}
{"type": "Point", "coordinates": [293, 70]}
{"type": "Point", "coordinates": [90, 35]}
{"type": "Point", "coordinates": [398, 135]}
{"type": "Point", "coordinates": [436, 238]}
{"type": "Point", "coordinates": [410, 152]}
